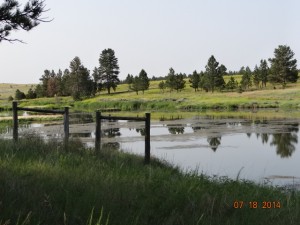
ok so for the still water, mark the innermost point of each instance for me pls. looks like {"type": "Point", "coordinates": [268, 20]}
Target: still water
{"type": "Point", "coordinates": [264, 151]}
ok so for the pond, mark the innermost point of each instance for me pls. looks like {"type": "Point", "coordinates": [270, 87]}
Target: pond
{"type": "Point", "coordinates": [264, 151]}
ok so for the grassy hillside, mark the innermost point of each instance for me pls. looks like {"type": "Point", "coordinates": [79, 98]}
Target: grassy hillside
{"type": "Point", "coordinates": [7, 89]}
{"type": "Point", "coordinates": [156, 100]}
{"type": "Point", "coordinates": [43, 183]}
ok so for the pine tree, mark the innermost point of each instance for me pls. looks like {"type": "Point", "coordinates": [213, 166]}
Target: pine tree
{"type": "Point", "coordinates": [19, 95]}
{"type": "Point", "coordinates": [144, 80]}
{"type": "Point", "coordinates": [214, 74]}
{"type": "Point", "coordinates": [179, 82]}
{"type": "Point", "coordinates": [246, 81]}
{"type": "Point", "coordinates": [171, 79]}
{"type": "Point", "coordinates": [195, 80]}
{"type": "Point", "coordinates": [109, 69]}
{"type": "Point", "coordinates": [31, 94]}
{"type": "Point", "coordinates": [80, 80]}
{"type": "Point", "coordinates": [45, 78]}
{"type": "Point", "coordinates": [162, 86]}
{"type": "Point", "coordinates": [256, 76]}
{"type": "Point", "coordinates": [264, 72]}
{"type": "Point", "coordinates": [283, 66]}
{"type": "Point", "coordinates": [129, 79]}
{"type": "Point", "coordinates": [136, 85]}
{"type": "Point", "coordinates": [232, 84]}
{"type": "Point", "coordinates": [14, 18]}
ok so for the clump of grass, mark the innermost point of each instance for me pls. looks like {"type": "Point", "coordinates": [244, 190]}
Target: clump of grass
{"type": "Point", "coordinates": [81, 186]}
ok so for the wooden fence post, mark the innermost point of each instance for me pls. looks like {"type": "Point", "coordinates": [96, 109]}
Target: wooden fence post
{"type": "Point", "coordinates": [15, 120]}
{"type": "Point", "coordinates": [66, 124]}
{"type": "Point", "coordinates": [147, 138]}
{"type": "Point", "coordinates": [98, 131]}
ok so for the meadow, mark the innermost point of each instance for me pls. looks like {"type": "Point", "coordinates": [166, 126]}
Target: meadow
{"type": "Point", "coordinates": [46, 183]}
{"type": "Point", "coordinates": [155, 99]}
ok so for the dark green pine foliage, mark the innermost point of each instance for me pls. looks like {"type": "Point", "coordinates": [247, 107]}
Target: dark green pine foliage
{"type": "Point", "coordinates": [65, 83]}
{"type": "Point", "coordinates": [144, 80]}
{"type": "Point", "coordinates": [129, 79]}
{"type": "Point", "coordinates": [195, 81]}
{"type": "Point", "coordinates": [231, 84]}
{"type": "Point", "coordinates": [171, 80]}
{"type": "Point", "coordinates": [44, 86]}
{"type": "Point", "coordinates": [59, 77]}
{"type": "Point", "coordinates": [214, 75]}
{"type": "Point", "coordinates": [162, 86]}
{"type": "Point", "coordinates": [109, 69]}
{"type": "Point", "coordinates": [19, 95]}
{"type": "Point", "coordinates": [12, 17]}
{"type": "Point", "coordinates": [136, 85]}
{"type": "Point", "coordinates": [256, 76]}
{"type": "Point", "coordinates": [283, 66]}
{"type": "Point", "coordinates": [246, 81]}
{"type": "Point", "coordinates": [263, 72]}
{"type": "Point", "coordinates": [179, 82]}
{"type": "Point", "coordinates": [220, 83]}
{"type": "Point", "coordinates": [31, 94]}
{"type": "Point", "coordinates": [80, 81]}
{"type": "Point", "coordinates": [203, 82]}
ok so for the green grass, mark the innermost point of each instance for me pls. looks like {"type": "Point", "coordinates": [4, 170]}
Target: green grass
{"type": "Point", "coordinates": [48, 184]}
{"type": "Point", "coordinates": [187, 100]}
{"type": "Point", "coordinates": [156, 100]}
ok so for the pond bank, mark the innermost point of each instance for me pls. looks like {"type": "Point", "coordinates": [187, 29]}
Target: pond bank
{"type": "Point", "coordinates": [54, 186]}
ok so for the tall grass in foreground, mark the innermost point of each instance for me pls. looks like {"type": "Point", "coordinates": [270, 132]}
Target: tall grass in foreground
{"type": "Point", "coordinates": [43, 183]}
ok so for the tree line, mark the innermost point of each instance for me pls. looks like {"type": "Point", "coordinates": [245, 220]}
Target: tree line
{"type": "Point", "coordinates": [76, 81]}
{"type": "Point", "coordinates": [282, 70]}
{"type": "Point", "coordinates": [79, 83]}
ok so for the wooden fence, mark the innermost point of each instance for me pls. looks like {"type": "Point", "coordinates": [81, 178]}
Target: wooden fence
{"type": "Point", "coordinates": [99, 117]}
{"type": "Point", "coordinates": [147, 119]}
{"type": "Point", "coordinates": [15, 109]}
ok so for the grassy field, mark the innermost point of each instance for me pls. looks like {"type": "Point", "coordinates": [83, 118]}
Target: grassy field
{"type": "Point", "coordinates": [154, 100]}
{"type": "Point", "coordinates": [187, 100]}
{"type": "Point", "coordinates": [7, 89]}
{"type": "Point", "coordinates": [44, 183]}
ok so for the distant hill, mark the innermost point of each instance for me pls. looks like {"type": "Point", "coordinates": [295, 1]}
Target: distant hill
{"type": "Point", "coordinates": [9, 89]}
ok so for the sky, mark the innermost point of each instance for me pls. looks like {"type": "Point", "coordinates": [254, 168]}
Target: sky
{"type": "Point", "coordinates": [152, 35]}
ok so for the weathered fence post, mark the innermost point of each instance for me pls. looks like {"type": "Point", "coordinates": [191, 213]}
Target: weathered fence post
{"type": "Point", "coordinates": [147, 138]}
{"type": "Point", "coordinates": [15, 120]}
{"type": "Point", "coordinates": [98, 131]}
{"type": "Point", "coordinates": [66, 124]}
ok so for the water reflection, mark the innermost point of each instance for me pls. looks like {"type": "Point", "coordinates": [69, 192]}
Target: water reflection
{"type": "Point", "coordinates": [111, 146]}
{"type": "Point", "coordinates": [285, 144]}
{"type": "Point", "coordinates": [280, 134]}
{"type": "Point", "coordinates": [264, 137]}
{"type": "Point", "coordinates": [176, 128]}
{"type": "Point", "coordinates": [141, 131]}
{"type": "Point", "coordinates": [80, 117]}
{"type": "Point", "coordinates": [111, 132]}
{"type": "Point", "coordinates": [214, 142]}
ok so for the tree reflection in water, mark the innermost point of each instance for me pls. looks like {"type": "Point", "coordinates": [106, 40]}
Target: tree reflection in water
{"type": "Point", "coordinates": [284, 142]}
{"type": "Point", "coordinates": [111, 146]}
{"type": "Point", "coordinates": [111, 132]}
{"type": "Point", "coordinates": [141, 131]}
{"type": "Point", "coordinates": [176, 129]}
{"type": "Point", "coordinates": [264, 137]}
{"type": "Point", "coordinates": [214, 142]}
